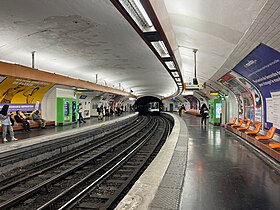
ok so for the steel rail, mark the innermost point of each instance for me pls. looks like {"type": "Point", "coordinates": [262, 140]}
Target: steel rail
{"type": "Point", "coordinates": [71, 203]}
{"type": "Point", "coordinates": [59, 141]}
{"type": "Point", "coordinates": [50, 181]}
{"type": "Point", "coordinates": [57, 161]}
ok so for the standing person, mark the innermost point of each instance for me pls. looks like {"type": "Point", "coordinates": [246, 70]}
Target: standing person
{"type": "Point", "coordinates": [6, 123]}
{"type": "Point", "coordinates": [36, 117]}
{"type": "Point", "coordinates": [204, 112]}
{"type": "Point", "coordinates": [19, 119]}
{"type": "Point", "coordinates": [100, 113]}
{"type": "Point", "coordinates": [181, 108]}
{"type": "Point", "coordinates": [80, 110]}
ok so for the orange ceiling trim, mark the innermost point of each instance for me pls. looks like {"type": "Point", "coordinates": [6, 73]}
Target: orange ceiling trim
{"type": "Point", "coordinates": [18, 71]}
{"type": "Point", "coordinates": [162, 15]}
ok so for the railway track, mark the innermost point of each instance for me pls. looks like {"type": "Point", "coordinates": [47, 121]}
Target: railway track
{"type": "Point", "coordinates": [28, 172]}
{"type": "Point", "coordinates": [64, 182]}
{"type": "Point", "coordinates": [10, 159]}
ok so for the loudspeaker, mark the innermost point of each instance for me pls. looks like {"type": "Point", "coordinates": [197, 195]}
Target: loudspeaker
{"type": "Point", "coordinates": [195, 82]}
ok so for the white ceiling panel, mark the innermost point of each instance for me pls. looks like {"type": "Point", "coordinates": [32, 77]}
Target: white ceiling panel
{"type": "Point", "coordinates": [81, 39]}
{"type": "Point", "coordinates": [214, 27]}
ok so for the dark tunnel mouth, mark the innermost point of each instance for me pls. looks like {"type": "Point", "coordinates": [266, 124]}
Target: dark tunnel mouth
{"type": "Point", "coordinates": [142, 105]}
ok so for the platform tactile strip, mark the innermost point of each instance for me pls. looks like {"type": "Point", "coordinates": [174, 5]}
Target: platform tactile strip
{"type": "Point", "coordinates": [176, 169]}
{"type": "Point", "coordinates": [172, 181]}
{"type": "Point", "coordinates": [169, 192]}
{"type": "Point", "coordinates": [179, 159]}
{"type": "Point", "coordinates": [166, 198]}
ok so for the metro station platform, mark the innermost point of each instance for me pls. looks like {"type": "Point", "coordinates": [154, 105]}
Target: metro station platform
{"type": "Point", "coordinates": [38, 135]}
{"type": "Point", "coordinates": [202, 167]}
{"type": "Point", "coordinates": [199, 167]}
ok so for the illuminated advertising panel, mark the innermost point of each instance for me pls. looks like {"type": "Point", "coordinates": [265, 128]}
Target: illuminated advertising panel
{"type": "Point", "coordinates": [218, 110]}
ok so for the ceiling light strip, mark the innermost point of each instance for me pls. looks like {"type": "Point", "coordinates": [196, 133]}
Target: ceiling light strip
{"type": "Point", "coordinates": [161, 49]}
{"type": "Point", "coordinates": [143, 12]}
{"type": "Point", "coordinates": [137, 12]}
{"type": "Point", "coordinates": [170, 65]}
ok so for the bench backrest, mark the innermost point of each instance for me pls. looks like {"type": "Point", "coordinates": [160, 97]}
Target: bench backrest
{"type": "Point", "coordinates": [240, 122]}
{"type": "Point", "coordinates": [248, 124]}
{"type": "Point", "coordinates": [271, 132]}
{"type": "Point", "coordinates": [258, 127]}
{"type": "Point", "coordinates": [233, 121]}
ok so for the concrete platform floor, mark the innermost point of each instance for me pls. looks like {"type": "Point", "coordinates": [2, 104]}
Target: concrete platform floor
{"type": "Point", "coordinates": [223, 174]}
{"type": "Point", "coordinates": [20, 135]}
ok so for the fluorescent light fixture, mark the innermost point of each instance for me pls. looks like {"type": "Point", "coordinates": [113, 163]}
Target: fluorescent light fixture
{"type": "Point", "coordinates": [187, 93]}
{"type": "Point", "coordinates": [170, 65]}
{"type": "Point", "coordinates": [161, 49]}
{"type": "Point", "coordinates": [175, 74]}
{"type": "Point", "coordinates": [137, 12]}
{"type": "Point", "coordinates": [132, 99]}
{"type": "Point", "coordinates": [143, 12]}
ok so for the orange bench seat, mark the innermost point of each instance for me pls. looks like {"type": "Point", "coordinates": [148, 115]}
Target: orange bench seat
{"type": "Point", "coordinates": [255, 131]}
{"type": "Point", "coordinates": [268, 136]}
{"type": "Point", "coordinates": [239, 124]}
{"type": "Point", "coordinates": [232, 122]}
{"type": "Point", "coordinates": [32, 124]}
{"type": "Point", "coordinates": [193, 112]}
{"type": "Point", "coordinates": [275, 146]}
{"type": "Point", "coordinates": [245, 127]}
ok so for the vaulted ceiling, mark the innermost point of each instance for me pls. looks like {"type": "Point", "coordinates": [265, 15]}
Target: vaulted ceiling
{"type": "Point", "coordinates": [86, 38]}
{"type": "Point", "coordinates": [214, 27]}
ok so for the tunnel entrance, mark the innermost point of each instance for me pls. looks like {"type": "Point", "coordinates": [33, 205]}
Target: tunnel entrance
{"type": "Point", "coordinates": [148, 105]}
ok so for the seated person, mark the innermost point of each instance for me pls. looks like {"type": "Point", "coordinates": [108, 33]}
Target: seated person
{"type": "Point", "coordinates": [36, 117]}
{"type": "Point", "coordinates": [19, 119]}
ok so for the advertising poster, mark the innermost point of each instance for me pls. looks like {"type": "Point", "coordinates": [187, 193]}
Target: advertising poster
{"type": "Point", "coordinates": [218, 110]}
{"type": "Point", "coordinates": [243, 98]}
{"type": "Point", "coordinates": [248, 97]}
{"type": "Point", "coordinates": [276, 109]}
{"type": "Point", "coordinates": [262, 68]}
{"type": "Point", "coordinates": [2, 78]}
{"type": "Point", "coordinates": [269, 110]}
{"type": "Point", "coordinates": [22, 94]}
{"type": "Point", "coordinates": [258, 114]}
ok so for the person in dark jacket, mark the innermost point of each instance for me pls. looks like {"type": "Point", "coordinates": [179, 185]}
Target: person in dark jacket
{"type": "Point", "coordinates": [204, 113]}
{"type": "Point", "coordinates": [19, 119]}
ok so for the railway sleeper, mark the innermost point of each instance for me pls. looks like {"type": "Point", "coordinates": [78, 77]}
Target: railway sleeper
{"type": "Point", "coordinates": [89, 206]}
